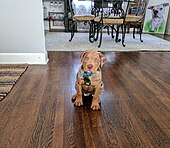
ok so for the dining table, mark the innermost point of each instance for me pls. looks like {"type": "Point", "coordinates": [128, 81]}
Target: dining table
{"type": "Point", "coordinates": [108, 9]}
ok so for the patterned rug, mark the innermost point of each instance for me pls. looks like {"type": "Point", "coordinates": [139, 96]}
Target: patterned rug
{"type": "Point", "coordinates": [59, 41]}
{"type": "Point", "coordinates": [9, 75]}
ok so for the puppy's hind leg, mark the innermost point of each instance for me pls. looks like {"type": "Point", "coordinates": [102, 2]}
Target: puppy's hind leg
{"type": "Point", "coordinates": [73, 99]}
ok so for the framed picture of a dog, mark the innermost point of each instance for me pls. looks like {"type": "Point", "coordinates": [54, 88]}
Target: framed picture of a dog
{"type": "Point", "coordinates": [156, 16]}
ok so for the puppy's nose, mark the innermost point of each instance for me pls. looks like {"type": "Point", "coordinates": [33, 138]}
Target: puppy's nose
{"type": "Point", "coordinates": [155, 12]}
{"type": "Point", "coordinates": [90, 66]}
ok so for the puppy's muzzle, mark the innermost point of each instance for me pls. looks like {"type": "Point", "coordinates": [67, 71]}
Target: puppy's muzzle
{"type": "Point", "coordinates": [89, 66]}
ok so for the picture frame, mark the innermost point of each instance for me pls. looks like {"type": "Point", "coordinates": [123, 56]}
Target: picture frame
{"type": "Point", "coordinates": [156, 16]}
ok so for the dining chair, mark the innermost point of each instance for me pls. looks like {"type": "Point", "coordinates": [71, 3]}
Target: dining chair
{"type": "Point", "coordinates": [110, 14]}
{"type": "Point", "coordinates": [133, 8]}
{"type": "Point", "coordinates": [136, 20]}
{"type": "Point", "coordinates": [86, 18]}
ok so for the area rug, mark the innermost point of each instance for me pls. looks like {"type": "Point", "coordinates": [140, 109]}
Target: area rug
{"type": "Point", "coordinates": [59, 41]}
{"type": "Point", "coordinates": [9, 75]}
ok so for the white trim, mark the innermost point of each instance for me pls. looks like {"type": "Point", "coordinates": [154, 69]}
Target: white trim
{"type": "Point", "coordinates": [20, 58]}
{"type": "Point", "coordinates": [168, 32]}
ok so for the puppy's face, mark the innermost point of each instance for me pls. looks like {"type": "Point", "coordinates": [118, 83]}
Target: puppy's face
{"type": "Point", "coordinates": [92, 60]}
{"type": "Point", "coordinates": [158, 10]}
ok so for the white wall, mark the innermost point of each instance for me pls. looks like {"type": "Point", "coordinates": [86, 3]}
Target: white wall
{"type": "Point", "coordinates": [22, 32]}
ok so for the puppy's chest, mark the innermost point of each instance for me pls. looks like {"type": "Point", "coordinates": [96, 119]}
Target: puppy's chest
{"type": "Point", "coordinates": [88, 89]}
{"type": "Point", "coordinates": [89, 82]}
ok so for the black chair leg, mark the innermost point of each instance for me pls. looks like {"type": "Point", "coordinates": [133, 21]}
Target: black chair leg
{"type": "Point", "coordinates": [72, 31]}
{"type": "Point", "coordinates": [134, 32]}
{"type": "Point", "coordinates": [100, 41]}
{"type": "Point", "coordinates": [107, 27]}
{"type": "Point", "coordinates": [123, 34]}
{"type": "Point", "coordinates": [117, 35]}
{"type": "Point", "coordinates": [72, 35]}
{"type": "Point", "coordinates": [96, 32]}
{"type": "Point", "coordinates": [112, 27]}
{"type": "Point", "coordinates": [141, 33]}
{"type": "Point", "coordinates": [91, 32]}
{"type": "Point", "coordinates": [108, 32]}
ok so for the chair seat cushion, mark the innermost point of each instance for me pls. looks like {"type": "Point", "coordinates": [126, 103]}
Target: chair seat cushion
{"type": "Point", "coordinates": [83, 17]}
{"type": "Point", "coordinates": [109, 20]}
{"type": "Point", "coordinates": [133, 18]}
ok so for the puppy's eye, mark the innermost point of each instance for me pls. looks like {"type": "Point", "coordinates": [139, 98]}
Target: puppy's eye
{"type": "Point", "coordinates": [86, 58]}
{"type": "Point", "coordinates": [160, 9]}
{"type": "Point", "coordinates": [97, 60]}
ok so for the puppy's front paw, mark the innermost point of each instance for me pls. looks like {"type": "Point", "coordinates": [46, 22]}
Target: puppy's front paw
{"type": "Point", "coordinates": [78, 102]}
{"type": "Point", "coordinates": [95, 106]}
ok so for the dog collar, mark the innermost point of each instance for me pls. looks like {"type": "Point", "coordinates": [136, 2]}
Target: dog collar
{"type": "Point", "coordinates": [87, 74]}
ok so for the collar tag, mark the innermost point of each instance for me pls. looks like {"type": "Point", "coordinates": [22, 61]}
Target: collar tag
{"type": "Point", "coordinates": [87, 81]}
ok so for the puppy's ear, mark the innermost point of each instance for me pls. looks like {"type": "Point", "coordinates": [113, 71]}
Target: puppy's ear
{"type": "Point", "coordinates": [82, 55]}
{"type": "Point", "coordinates": [165, 4]}
{"type": "Point", "coordinates": [150, 7]}
{"type": "Point", "coordinates": [102, 59]}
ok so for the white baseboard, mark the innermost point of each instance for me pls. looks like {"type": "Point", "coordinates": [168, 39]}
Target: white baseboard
{"type": "Point", "coordinates": [167, 32]}
{"type": "Point", "coordinates": [23, 58]}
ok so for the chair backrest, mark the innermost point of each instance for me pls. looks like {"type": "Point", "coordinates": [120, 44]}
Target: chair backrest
{"type": "Point", "coordinates": [81, 8]}
{"type": "Point", "coordinates": [111, 8]}
{"type": "Point", "coordinates": [140, 8]}
{"type": "Point", "coordinates": [77, 7]}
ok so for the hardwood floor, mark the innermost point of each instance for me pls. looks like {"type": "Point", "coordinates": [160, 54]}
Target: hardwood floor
{"type": "Point", "coordinates": [135, 105]}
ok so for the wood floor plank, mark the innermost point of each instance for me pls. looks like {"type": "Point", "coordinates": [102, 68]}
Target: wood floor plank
{"type": "Point", "coordinates": [145, 120]}
{"type": "Point", "coordinates": [158, 104]}
{"type": "Point", "coordinates": [59, 122]}
{"type": "Point", "coordinates": [44, 126]}
{"type": "Point", "coordinates": [135, 104]}
{"type": "Point", "coordinates": [20, 111]}
{"type": "Point", "coordinates": [154, 74]}
{"type": "Point", "coordinates": [139, 73]}
{"type": "Point", "coordinates": [127, 121]}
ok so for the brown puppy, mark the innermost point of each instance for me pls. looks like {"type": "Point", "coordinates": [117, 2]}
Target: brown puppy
{"type": "Point", "coordinates": [89, 78]}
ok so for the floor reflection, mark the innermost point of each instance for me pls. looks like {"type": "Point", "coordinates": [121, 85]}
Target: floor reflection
{"type": "Point", "coordinates": [92, 116]}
